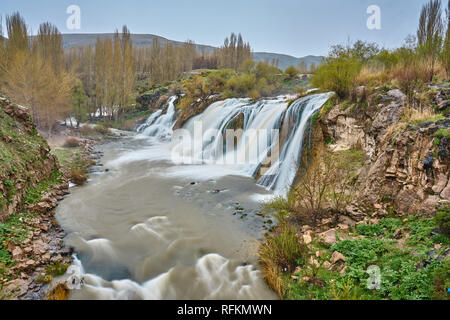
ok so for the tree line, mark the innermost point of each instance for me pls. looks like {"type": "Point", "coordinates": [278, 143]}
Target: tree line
{"type": "Point", "coordinates": [100, 80]}
{"type": "Point", "coordinates": [33, 71]}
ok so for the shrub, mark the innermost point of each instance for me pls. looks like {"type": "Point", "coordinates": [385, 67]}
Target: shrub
{"type": "Point", "coordinates": [338, 75]}
{"type": "Point", "coordinates": [441, 281]}
{"type": "Point", "coordinates": [87, 131]}
{"type": "Point", "coordinates": [263, 70]}
{"type": "Point", "coordinates": [78, 176]}
{"type": "Point", "coordinates": [370, 230]}
{"type": "Point", "coordinates": [254, 95]}
{"type": "Point", "coordinates": [371, 76]}
{"type": "Point", "coordinates": [291, 72]}
{"type": "Point", "coordinates": [102, 129]}
{"type": "Point", "coordinates": [442, 219]}
{"type": "Point", "coordinates": [264, 88]}
{"type": "Point", "coordinates": [240, 86]}
{"type": "Point", "coordinates": [409, 76]}
{"type": "Point", "coordinates": [284, 248]}
{"type": "Point", "coordinates": [328, 179]}
{"type": "Point", "coordinates": [72, 143]}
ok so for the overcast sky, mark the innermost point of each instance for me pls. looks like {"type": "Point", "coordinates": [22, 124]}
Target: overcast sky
{"type": "Point", "coordinates": [295, 27]}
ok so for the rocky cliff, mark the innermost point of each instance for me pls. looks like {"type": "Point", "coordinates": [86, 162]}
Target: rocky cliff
{"type": "Point", "coordinates": [407, 167]}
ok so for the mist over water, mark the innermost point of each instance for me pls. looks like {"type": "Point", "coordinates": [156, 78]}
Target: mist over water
{"type": "Point", "coordinates": [152, 229]}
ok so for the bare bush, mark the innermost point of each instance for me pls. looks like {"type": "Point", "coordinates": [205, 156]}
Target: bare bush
{"type": "Point", "coordinates": [72, 143]}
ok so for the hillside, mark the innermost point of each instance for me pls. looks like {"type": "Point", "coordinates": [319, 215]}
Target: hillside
{"type": "Point", "coordinates": [144, 40]}
{"type": "Point", "coordinates": [286, 61]}
{"type": "Point", "coordinates": [31, 246]}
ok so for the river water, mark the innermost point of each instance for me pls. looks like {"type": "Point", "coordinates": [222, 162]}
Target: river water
{"type": "Point", "coordinates": [150, 230]}
{"type": "Point", "coordinates": [171, 218]}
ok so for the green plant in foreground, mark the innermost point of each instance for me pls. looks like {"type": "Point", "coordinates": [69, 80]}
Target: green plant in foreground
{"type": "Point", "coordinates": [284, 248]}
{"type": "Point", "coordinates": [442, 220]}
{"type": "Point", "coordinates": [443, 133]}
{"type": "Point", "coordinates": [370, 230]}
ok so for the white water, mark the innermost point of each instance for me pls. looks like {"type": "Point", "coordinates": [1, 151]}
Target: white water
{"type": "Point", "coordinates": [160, 126]}
{"type": "Point", "coordinates": [282, 173]}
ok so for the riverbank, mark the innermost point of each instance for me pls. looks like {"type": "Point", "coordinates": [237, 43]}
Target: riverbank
{"type": "Point", "coordinates": [32, 248]}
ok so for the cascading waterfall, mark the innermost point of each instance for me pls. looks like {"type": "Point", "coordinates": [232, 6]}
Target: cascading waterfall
{"type": "Point", "coordinates": [158, 125]}
{"type": "Point", "coordinates": [282, 173]}
{"type": "Point", "coordinates": [149, 121]}
{"type": "Point", "coordinates": [263, 125]}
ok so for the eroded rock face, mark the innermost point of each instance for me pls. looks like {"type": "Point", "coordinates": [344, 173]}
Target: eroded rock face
{"type": "Point", "coordinates": [389, 113]}
{"type": "Point", "coordinates": [350, 128]}
{"type": "Point", "coordinates": [406, 171]}
{"type": "Point", "coordinates": [344, 129]}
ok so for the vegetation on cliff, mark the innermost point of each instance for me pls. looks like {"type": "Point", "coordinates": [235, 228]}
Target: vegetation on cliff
{"type": "Point", "coordinates": [31, 184]}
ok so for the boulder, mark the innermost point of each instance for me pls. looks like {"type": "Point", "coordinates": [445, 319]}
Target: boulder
{"type": "Point", "coordinates": [343, 227]}
{"type": "Point", "coordinates": [307, 239]}
{"type": "Point", "coordinates": [329, 237]}
{"type": "Point", "coordinates": [337, 257]}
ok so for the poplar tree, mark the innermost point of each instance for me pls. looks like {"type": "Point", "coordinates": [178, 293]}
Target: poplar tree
{"type": "Point", "coordinates": [445, 55]}
{"type": "Point", "coordinates": [429, 33]}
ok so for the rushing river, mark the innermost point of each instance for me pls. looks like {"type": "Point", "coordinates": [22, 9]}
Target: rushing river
{"type": "Point", "coordinates": [147, 228]}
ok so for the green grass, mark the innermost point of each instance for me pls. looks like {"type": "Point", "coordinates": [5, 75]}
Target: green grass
{"type": "Point", "coordinates": [408, 272]}
{"type": "Point", "coordinates": [429, 119]}
{"type": "Point", "coordinates": [12, 231]}
{"type": "Point", "coordinates": [67, 156]}
{"type": "Point", "coordinates": [18, 147]}
{"type": "Point", "coordinates": [442, 133]}
{"type": "Point", "coordinates": [34, 194]}
{"type": "Point", "coordinates": [285, 248]}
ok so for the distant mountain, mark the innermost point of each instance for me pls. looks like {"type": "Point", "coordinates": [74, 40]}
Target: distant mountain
{"type": "Point", "coordinates": [140, 40]}
{"type": "Point", "coordinates": [145, 40]}
{"type": "Point", "coordinates": [285, 61]}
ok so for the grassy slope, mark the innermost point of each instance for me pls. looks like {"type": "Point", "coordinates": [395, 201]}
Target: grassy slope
{"type": "Point", "coordinates": [22, 150]}
{"type": "Point", "coordinates": [23, 154]}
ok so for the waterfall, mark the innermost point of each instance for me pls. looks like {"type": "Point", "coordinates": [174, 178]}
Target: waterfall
{"type": "Point", "coordinates": [266, 143]}
{"type": "Point", "coordinates": [158, 125]}
{"type": "Point", "coordinates": [282, 173]}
